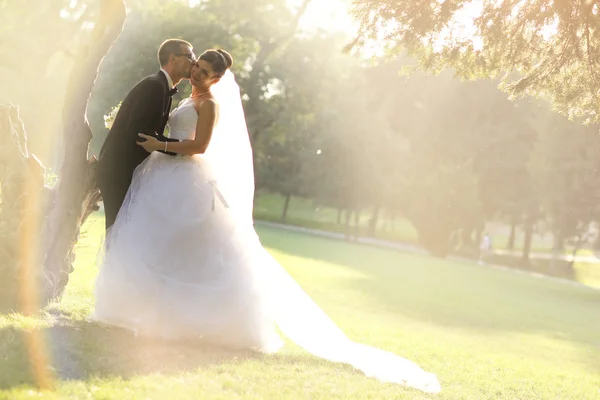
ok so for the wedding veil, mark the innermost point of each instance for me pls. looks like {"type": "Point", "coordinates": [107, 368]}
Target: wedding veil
{"type": "Point", "coordinates": [294, 312]}
{"type": "Point", "coordinates": [229, 152]}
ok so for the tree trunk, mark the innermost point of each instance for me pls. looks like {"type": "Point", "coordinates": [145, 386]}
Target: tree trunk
{"type": "Point", "coordinates": [348, 216]}
{"type": "Point", "coordinates": [558, 248]}
{"type": "Point", "coordinates": [23, 198]}
{"type": "Point", "coordinates": [581, 239]}
{"type": "Point", "coordinates": [266, 50]}
{"type": "Point", "coordinates": [510, 245]}
{"type": "Point", "coordinates": [574, 254]}
{"type": "Point", "coordinates": [466, 238]}
{"type": "Point", "coordinates": [286, 205]}
{"type": "Point", "coordinates": [597, 242]}
{"type": "Point", "coordinates": [356, 223]}
{"type": "Point", "coordinates": [529, 223]}
{"type": "Point", "coordinates": [339, 216]}
{"type": "Point", "coordinates": [76, 193]}
{"type": "Point", "coordinates": [374, 221]}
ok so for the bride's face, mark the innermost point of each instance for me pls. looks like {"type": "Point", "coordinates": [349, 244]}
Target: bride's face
{"type": "Point", "coordinates": [202, 74]}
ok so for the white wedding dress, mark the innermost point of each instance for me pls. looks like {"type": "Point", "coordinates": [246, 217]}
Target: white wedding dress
{"type": "Point", "coordinates": [183, 259]}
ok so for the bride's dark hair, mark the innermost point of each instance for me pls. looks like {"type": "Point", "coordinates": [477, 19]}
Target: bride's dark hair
{"type": "Point", "coordinates": [219, 59]}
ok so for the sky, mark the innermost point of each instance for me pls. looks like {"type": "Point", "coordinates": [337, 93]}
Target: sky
{"type": "Point", "coordinates": [331, 15]}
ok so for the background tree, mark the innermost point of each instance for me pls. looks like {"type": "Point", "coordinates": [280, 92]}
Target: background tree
{"type": "Point", "coordinates": [567, 170]}
{"type": "Point", "coordinates": [543, 48]}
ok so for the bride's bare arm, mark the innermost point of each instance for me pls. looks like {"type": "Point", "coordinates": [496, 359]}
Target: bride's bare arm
{"type": "Point", "coordinates": [207, 116]}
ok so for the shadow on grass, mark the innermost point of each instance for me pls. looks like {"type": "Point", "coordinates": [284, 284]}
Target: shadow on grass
{"type": "Point", "coordinates": [83, 351]}
{"type": "Point", "coordinates": [78, 350]}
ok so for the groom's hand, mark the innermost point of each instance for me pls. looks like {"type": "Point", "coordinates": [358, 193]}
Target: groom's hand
{"type": "Point", "coordinates": [150, 143]}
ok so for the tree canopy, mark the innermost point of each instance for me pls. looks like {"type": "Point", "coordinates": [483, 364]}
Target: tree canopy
{"type": "Point", "coordinates": [544, 48]}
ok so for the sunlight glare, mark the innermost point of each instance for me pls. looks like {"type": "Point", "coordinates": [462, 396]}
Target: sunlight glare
{"type": "Point", "coordinates": [330, 15]}
{"type": "Point", "coordinates": [462, 27]}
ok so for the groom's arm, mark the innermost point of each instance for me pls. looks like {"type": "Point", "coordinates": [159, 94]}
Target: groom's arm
{"type": "Point", "coordinates": [147, 112]}
{"type": "Point", "coordinates": [207, 115]}
{"type": "Point", "coordinates": [163, 139]}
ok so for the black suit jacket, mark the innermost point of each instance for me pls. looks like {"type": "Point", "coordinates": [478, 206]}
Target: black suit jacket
{"type": "Point", "coordinates": [145, 109]}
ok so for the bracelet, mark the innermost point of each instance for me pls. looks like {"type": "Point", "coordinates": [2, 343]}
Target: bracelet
{"type": "Point", "coordinates": [166, 145]}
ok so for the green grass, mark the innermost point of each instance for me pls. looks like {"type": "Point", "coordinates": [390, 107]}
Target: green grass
{"type": "Point", "coordinates": [304, 212]}
{"type": "Point", "coordinates": [486, 333]}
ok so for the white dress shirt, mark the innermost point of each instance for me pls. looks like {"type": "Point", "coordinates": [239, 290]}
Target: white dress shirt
{"type": "Point", "coordinates": [169, 80]}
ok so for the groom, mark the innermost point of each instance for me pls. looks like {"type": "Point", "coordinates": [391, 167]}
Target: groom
{"type": "Point", "coordinates": [145, 109]}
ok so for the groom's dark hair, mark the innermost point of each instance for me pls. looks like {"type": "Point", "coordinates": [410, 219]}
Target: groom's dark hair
{"type": "Point", "coordinates": [168, 47]}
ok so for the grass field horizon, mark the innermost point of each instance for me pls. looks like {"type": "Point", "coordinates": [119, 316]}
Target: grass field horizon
{"type": "Point", "coordinates": [486, 334]}
{"type": "Point", "coordinates": [307, 214]}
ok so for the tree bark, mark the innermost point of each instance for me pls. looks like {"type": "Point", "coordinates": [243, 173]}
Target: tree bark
{"type": "Point", "coordinates": [23, 195]}
{"type": "Point", "coordinates": [576, 249]}
{"type": "Point", "coordinates": [558, 248]}
{"type": "Point", "coordinates": [357, 223]}
{"type": "Point", "coordinates": [76, 192]}
{"type": "Point", "coordinates": [286, 205]}
{"type": "Point", "coordinates": [348, 217]}
{"type": "Point", "coordinates": [529, 223]}
{"type": "Point", "coordinates": [510, 245]}
{"type": "Point", "coordinates": [582, 238]}
{"type": "Point", "coordinates": [374, 221]}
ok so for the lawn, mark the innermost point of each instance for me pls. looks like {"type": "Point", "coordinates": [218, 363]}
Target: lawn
{"type": "Point", "coordinates": [486, 333]}
{"type": "Point", "coordinates": [305, 213]}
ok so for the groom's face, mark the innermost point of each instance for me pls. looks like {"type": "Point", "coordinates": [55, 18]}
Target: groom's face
{"type": "Point", "coordinates": [184, 61]}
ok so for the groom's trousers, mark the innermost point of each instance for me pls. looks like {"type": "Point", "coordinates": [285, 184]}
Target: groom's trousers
{"type": "Point", "coordinates": [113, 188]}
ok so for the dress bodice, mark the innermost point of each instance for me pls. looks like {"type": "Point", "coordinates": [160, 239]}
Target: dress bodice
{"type": "Point", "coordinates": [183, 120]}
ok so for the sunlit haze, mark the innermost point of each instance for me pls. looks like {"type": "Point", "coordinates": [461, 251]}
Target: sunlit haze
{"type": "Point", "coordinates": [425, 184]}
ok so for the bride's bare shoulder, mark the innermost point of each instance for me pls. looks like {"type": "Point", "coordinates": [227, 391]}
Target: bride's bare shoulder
{"type": "Point", "coordinates": [206, 103]}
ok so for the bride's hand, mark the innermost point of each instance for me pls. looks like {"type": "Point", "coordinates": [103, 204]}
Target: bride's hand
{"type": "Point", "coordinates": [150, 144]}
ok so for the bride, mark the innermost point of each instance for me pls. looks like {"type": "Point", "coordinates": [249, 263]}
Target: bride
{"type": "Point", "coordinates": [183, 259]}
